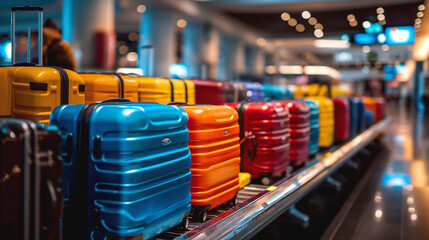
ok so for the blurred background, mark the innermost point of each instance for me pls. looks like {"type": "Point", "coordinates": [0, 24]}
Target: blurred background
{"type": "Point", "coordinates": [377, 47]}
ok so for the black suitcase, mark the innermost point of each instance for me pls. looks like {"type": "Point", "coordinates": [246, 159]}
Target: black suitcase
{"type": "Point", "coordinates": [30, 173]}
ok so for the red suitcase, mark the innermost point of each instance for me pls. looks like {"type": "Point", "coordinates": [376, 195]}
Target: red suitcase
{"type": "Point", "coordinates": [342, 118]}
{"type": "Point", "coordinates": [379, 109]}
{"type": "Point", "coordinates": [299, 124]}
{"type": "Point", "coordinates": [264, 131]}
{"type": "Point", "coordinates": [213, 92]}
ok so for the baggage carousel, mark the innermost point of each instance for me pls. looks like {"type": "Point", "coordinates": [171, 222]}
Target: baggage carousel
{"type": "Point", "coordinates": [259, 205]}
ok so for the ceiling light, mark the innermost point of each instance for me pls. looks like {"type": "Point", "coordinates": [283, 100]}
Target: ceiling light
{"type": "Point", "coordinates": [366, 24]}
{"type": "Point", "coordinates": [383, 22]}
{"type": "Point", "coordinates": [261, 42]}
{"type": "Point", "coordinates": [380, 10]}
{"type": "Point", "coordinates": [271, 69]}
{"type": "Point", "coordinates": [290, 69]}
{"type": "Point", "coordinates": [318, 26]}
{"type": "Point", "coordinates": [292, 22]}
{"type": "Point", "coordinates": [420, 14]}
{"type": "Point", "coordinates": [300, 28]}
{"type": "Point", "coordinates": [181, 23]}
{"type": "Point", "coordinates": [318, 33]}
{"type": "Point", "coordinates": [380, 17]}
{"type": "Point", "coordinates": [366, 49]}
{"type": "Point", "coordinates": [285, 16]}
{"type": "Point", "coordinates": [421, 7]}
{"type": "Point", "coordinates": [306, 14]}
{"type": "Point", "coordinates": [418, 21]}
{"type": "Point", "coordinates": [312, 21]}
{"type": "Point", "coordinates": [327, 43]}
{"type": "Point", "coordinates": [353, 23]}
{"type": "Point", "coordinates": [351, 17]}
{"type": "Point", "coordinates": [321, 70]}
{"type": "Point", "coordinates": [385, 47]}
{"type": "Point", "coordinates": [141, 8]}
{"type": "Point", "coordinates": [417, 25]}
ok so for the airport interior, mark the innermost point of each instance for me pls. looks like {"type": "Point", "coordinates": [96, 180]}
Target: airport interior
{"type": "Point", "coordinates": [214, 119]}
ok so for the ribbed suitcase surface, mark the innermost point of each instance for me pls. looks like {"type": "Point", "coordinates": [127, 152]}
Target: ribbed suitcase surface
{"type": "Point", "coordinates": [356, 115]}
{"type": "Point", "coordinates": [102, 86]}
{"type": "Point", "coordinates": [30, 188]}
{"type": "Point", "coordinates": [326, 120]}
{"type": "Point", "coordinates": [299, 125]}
{"type": "Point", "coordinates": [265, 153]}
{"type": "Point", "coordinates": [126, 169]}
{"type": "Point", "coordinates": [313, 145]}
{"type": "Point", "coordinates": [255, 92]}
{"type": "Point", "coordinates": [342, 119]}
{"type": "Point", "coordinates": [215, 153]}
{"type": "Point", "coordinates": [165, 90]}
{"type": "Point", "coordinates": [32, 92]}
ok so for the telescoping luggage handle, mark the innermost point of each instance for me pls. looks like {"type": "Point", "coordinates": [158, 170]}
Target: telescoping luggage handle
{"type": "Point", "coordinates": [115, 100]}
{"type": "Point", "coordinates": [40, 36]}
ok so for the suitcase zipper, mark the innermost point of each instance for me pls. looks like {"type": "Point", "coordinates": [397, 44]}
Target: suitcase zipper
{"type": "Point", "coordinates": [120, 84]}
{"type": "Point", "coordinates": [64, 85]}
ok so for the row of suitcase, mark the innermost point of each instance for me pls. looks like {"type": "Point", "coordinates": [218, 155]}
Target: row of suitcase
{"type": "Point", "coordinates": [120, 159]}
{"type": "Point", "coordinates": [32, 92]}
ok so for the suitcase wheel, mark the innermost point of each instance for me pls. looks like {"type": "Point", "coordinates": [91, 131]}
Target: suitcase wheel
{"type": "Point", "coordinates": [184, 224]}
{"type": "Point", "coordinates": [233, 202]}
{"type": "Point", "coordinates": [266, 180]}
{"type": "Point", "coordinates": [199, 215]}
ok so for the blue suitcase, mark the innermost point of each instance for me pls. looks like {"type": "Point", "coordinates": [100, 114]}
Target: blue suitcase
{"type": "Point", "coordinates": [277, 92]}
{"type": "Point", "coordinates": [314, 127]}
{"type": "Point", "coordinates": [255, 92]}
{"type": "Point", "coordinates": [354, 115]}
{"type": "Point", "coordinates": [361, 116]}
{"type": "Point", "coordinates": [126, 169]}
{"type": "Point", "coordinates": [369, 119]}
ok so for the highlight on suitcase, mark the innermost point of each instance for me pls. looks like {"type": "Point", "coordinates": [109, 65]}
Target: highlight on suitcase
{"type": "Point", "coordinates": [107, 155]}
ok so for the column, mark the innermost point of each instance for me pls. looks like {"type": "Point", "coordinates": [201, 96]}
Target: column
{"type": "Point", "coordinates": [81, 21]}
{"type": "Point", "coordinates": [227, 58]}
{"type": "Point", "coordinates": [157, 41]}
{"type": "Point", "coordinates": [192, 57]}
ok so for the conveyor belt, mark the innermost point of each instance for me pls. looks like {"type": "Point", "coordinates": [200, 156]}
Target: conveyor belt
{"type": "Point", "coordinates": [259, 204]}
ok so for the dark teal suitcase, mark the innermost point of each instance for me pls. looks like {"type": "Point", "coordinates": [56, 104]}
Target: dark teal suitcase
{"type": "Point", "coordinates": [369, 119]}
{"type": "Point", "coordinates": [126, 169]}
{"type": "Point", "coordinates": [314, 127]}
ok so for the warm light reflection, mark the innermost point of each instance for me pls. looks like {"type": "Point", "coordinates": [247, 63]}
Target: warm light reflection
{"type": "Point", "coordinates": [378, 213]}
{"type": "Point", "coordinates": [410, 200]}
{"type": "Point", "coordinates": [327, 43]}
{"type": "Point", "coordinates": [413, 217]}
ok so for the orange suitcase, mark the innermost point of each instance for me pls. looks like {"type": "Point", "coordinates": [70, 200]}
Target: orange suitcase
{"type": "Point", "coordinates": [370, 105]}
{"type": "Point", "coordinates": [102, 86]}
{"type": "Point", "coordinates": [215, 153]}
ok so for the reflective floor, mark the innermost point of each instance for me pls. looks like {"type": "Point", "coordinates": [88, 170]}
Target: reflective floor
{"type": "Point", "coordinates": [394, 204]}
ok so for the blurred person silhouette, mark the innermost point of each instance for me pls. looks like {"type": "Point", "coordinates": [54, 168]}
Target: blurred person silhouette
{"type": "Point", "coordinates": [56, 52]}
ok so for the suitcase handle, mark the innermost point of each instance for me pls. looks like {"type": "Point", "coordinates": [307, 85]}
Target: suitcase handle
{"type": "Point", "coordinates": [25, 64]}
{"type": "Point", "coordinates": [250, 155]}
{"type": "Point", "coordinates": [53, 201]}
{"type": "Point", "coordinates": [178, 104]}
{"type": "Point", "coordinates": [115, 100]}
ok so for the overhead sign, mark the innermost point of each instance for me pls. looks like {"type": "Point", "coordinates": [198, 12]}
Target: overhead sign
{"type": "Point", "coordinates": [364, 39]}
{"type": "Point", "coordinates": [400, 35]}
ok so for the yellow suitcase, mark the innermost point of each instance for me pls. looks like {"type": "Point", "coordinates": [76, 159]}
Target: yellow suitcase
{"type": "Point", "coordinates": [102, 86]}
{"type": "Point", "coordinates": [159, 90]}
{"type": "Point", "coordinates": [326, 120]}
{"type": "Point", "coordinates": [32, 92]}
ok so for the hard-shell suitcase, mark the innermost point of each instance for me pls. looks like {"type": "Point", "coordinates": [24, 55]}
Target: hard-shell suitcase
{"type": "Point", "coordinates": [264, 130]}
{"type": "Point", "coordinates": [313, 145]}
{"type": "Point", "coordinates": [276, 92]}
{"type": "Point", "coordinates": [379, 108]}
{"type": "Point", "coordinates": [213, 92]}
{"type": "Point", "coordinates": [102, 86]}
{"type": "Point", "coordinates": [361, 116]}
{"type": "Point", "coordinates": [32, 92]}
{"type": "Point", "coordinates": [215, 154]}
{"type": "Point", "coordinates": [369, 119]}
{"type": "Point", "coordinates": [126, 169]}
{"type": "Point", "coordinates": [165, 90]}
{"type": "Point", "coordinates": [326, 120]}
{"type": "Point", "coordinates": [299, 125]}
{"type": "Point", "coordinates": [342, 119]}
{"type": "Point", "coordinates": [255, 92]}
{"type": "Point", "coordinates": [30, 188]}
